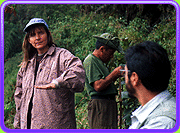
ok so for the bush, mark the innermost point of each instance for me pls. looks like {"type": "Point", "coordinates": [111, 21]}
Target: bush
{"type": "Point", "coordinates": [11, 68]}
{"type": "Point", "coordinates": [75, 34]}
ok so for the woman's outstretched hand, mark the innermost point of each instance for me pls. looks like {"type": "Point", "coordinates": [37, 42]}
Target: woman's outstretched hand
{"type": "Point", "coordinates": [48, 86]}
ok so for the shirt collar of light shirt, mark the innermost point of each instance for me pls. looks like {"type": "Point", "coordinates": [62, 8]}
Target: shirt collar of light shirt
{"type": "Point", "coordinates": [143, 112]}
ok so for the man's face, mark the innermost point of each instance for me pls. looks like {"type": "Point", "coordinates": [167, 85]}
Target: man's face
{"type": "Point", "coordinates": [107, 55]}
{"type": "Point", "coordinates": [130, 88]}
{"type": "Point", "coordinates": [129, 85]}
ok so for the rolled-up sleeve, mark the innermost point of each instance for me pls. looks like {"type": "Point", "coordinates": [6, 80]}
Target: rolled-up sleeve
{"type": "Point", "coordinates": [73, 76]}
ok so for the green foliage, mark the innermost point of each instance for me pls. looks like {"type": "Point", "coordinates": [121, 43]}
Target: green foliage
{"type": "Point", "coordinates": [11, 68]}
{"type": "Point", "coordinates": [76, 34]}
{"type": "Point", "coordinates": [12, 40]}
{"type": "Point", "coordinates": [82, 100]}
{"type": "Point", "coordinates": [72, 27]}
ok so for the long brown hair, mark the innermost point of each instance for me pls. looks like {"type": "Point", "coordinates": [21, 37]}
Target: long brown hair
{"type": "Point", "coordinates": [28, 50]}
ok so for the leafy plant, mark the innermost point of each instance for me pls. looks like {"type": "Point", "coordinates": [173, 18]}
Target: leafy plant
{"type": "Point", "coordinates": [72, 27]}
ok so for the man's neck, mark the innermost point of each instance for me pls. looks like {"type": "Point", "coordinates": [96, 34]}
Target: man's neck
{"type": "Point", "coordinates": [144, 96]}
{"type": "Point", "coordinates": [96, 53]}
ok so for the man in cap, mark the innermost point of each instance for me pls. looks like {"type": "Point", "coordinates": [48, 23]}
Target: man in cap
{"type": "Point", "coordinates": [102, 109]}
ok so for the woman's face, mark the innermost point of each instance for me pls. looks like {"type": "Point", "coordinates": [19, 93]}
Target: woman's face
{"type": "Point", "coordinates": [39, 40]}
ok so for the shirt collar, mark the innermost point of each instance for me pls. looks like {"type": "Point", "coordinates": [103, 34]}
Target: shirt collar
{"type": "Point", "coordinates": [98, 59]}
{"type": "Point", "coordinates": [49, 52]}
{"type": "Point", "coordinates": [143, 111]}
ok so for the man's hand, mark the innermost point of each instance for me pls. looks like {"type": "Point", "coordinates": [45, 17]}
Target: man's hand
{"type": "Point", "coordinates": [48, 86]}
{"type": "Point", "coordinates": [117, 72]}
{"type": "Point", "coordinates": [101, 84]}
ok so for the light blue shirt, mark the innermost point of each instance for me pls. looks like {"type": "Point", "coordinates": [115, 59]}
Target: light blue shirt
{"type": "Point", "coordinates": [159, 122]}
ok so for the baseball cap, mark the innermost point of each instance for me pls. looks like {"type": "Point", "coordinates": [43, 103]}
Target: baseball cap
{"type": "Point", "coordinates": [35, 21]}
{"type": "Point", "coordinates": [110, 41]}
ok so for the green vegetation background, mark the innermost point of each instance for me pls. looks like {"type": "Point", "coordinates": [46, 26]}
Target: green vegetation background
{"type": "Point", "coordinates": [72, 27]}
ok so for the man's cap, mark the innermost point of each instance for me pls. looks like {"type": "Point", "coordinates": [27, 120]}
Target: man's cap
{"type": "Point", "coordinates": [110, 41]}
{"type": "Point", "coordinates": [35, 21]}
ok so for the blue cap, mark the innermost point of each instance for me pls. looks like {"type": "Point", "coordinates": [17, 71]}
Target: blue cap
{"type": "Point", "coordinates": [35, 21]}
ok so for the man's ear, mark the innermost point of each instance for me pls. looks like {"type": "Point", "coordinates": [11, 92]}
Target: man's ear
{"type": "Point", "coordinates": [101, 48]}
{"type": "Point", "coordinates": [135, 79]}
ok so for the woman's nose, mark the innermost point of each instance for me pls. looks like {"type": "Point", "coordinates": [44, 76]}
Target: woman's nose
{"type": "Point", "coordinates": [38, 36]}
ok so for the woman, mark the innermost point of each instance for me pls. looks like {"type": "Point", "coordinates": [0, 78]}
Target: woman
{"type": "Point", "coordinates": [46, 82]}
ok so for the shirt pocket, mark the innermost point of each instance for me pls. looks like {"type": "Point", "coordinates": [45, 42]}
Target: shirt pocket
{"type": "Point", "coordinates": [47, 74]}
{"type": "Point", "coordinates": [28, 80]}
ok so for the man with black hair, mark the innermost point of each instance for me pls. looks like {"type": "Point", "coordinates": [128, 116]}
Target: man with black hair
{"type": "Point", "coordinates": [102, 109]}
{"type": "Point", "coordinates": [147, 74]}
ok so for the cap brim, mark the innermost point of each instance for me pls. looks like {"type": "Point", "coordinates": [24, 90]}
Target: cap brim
{"type": "Point", "coordinates": [29, 25]}
{"type": "Point", "coordinates": [119, 49]}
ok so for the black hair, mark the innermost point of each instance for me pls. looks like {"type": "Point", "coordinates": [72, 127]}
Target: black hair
{"type": "Point", "coordinates": [99, 44]}
{"type": "Point", "coordinates": [150, 61]}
